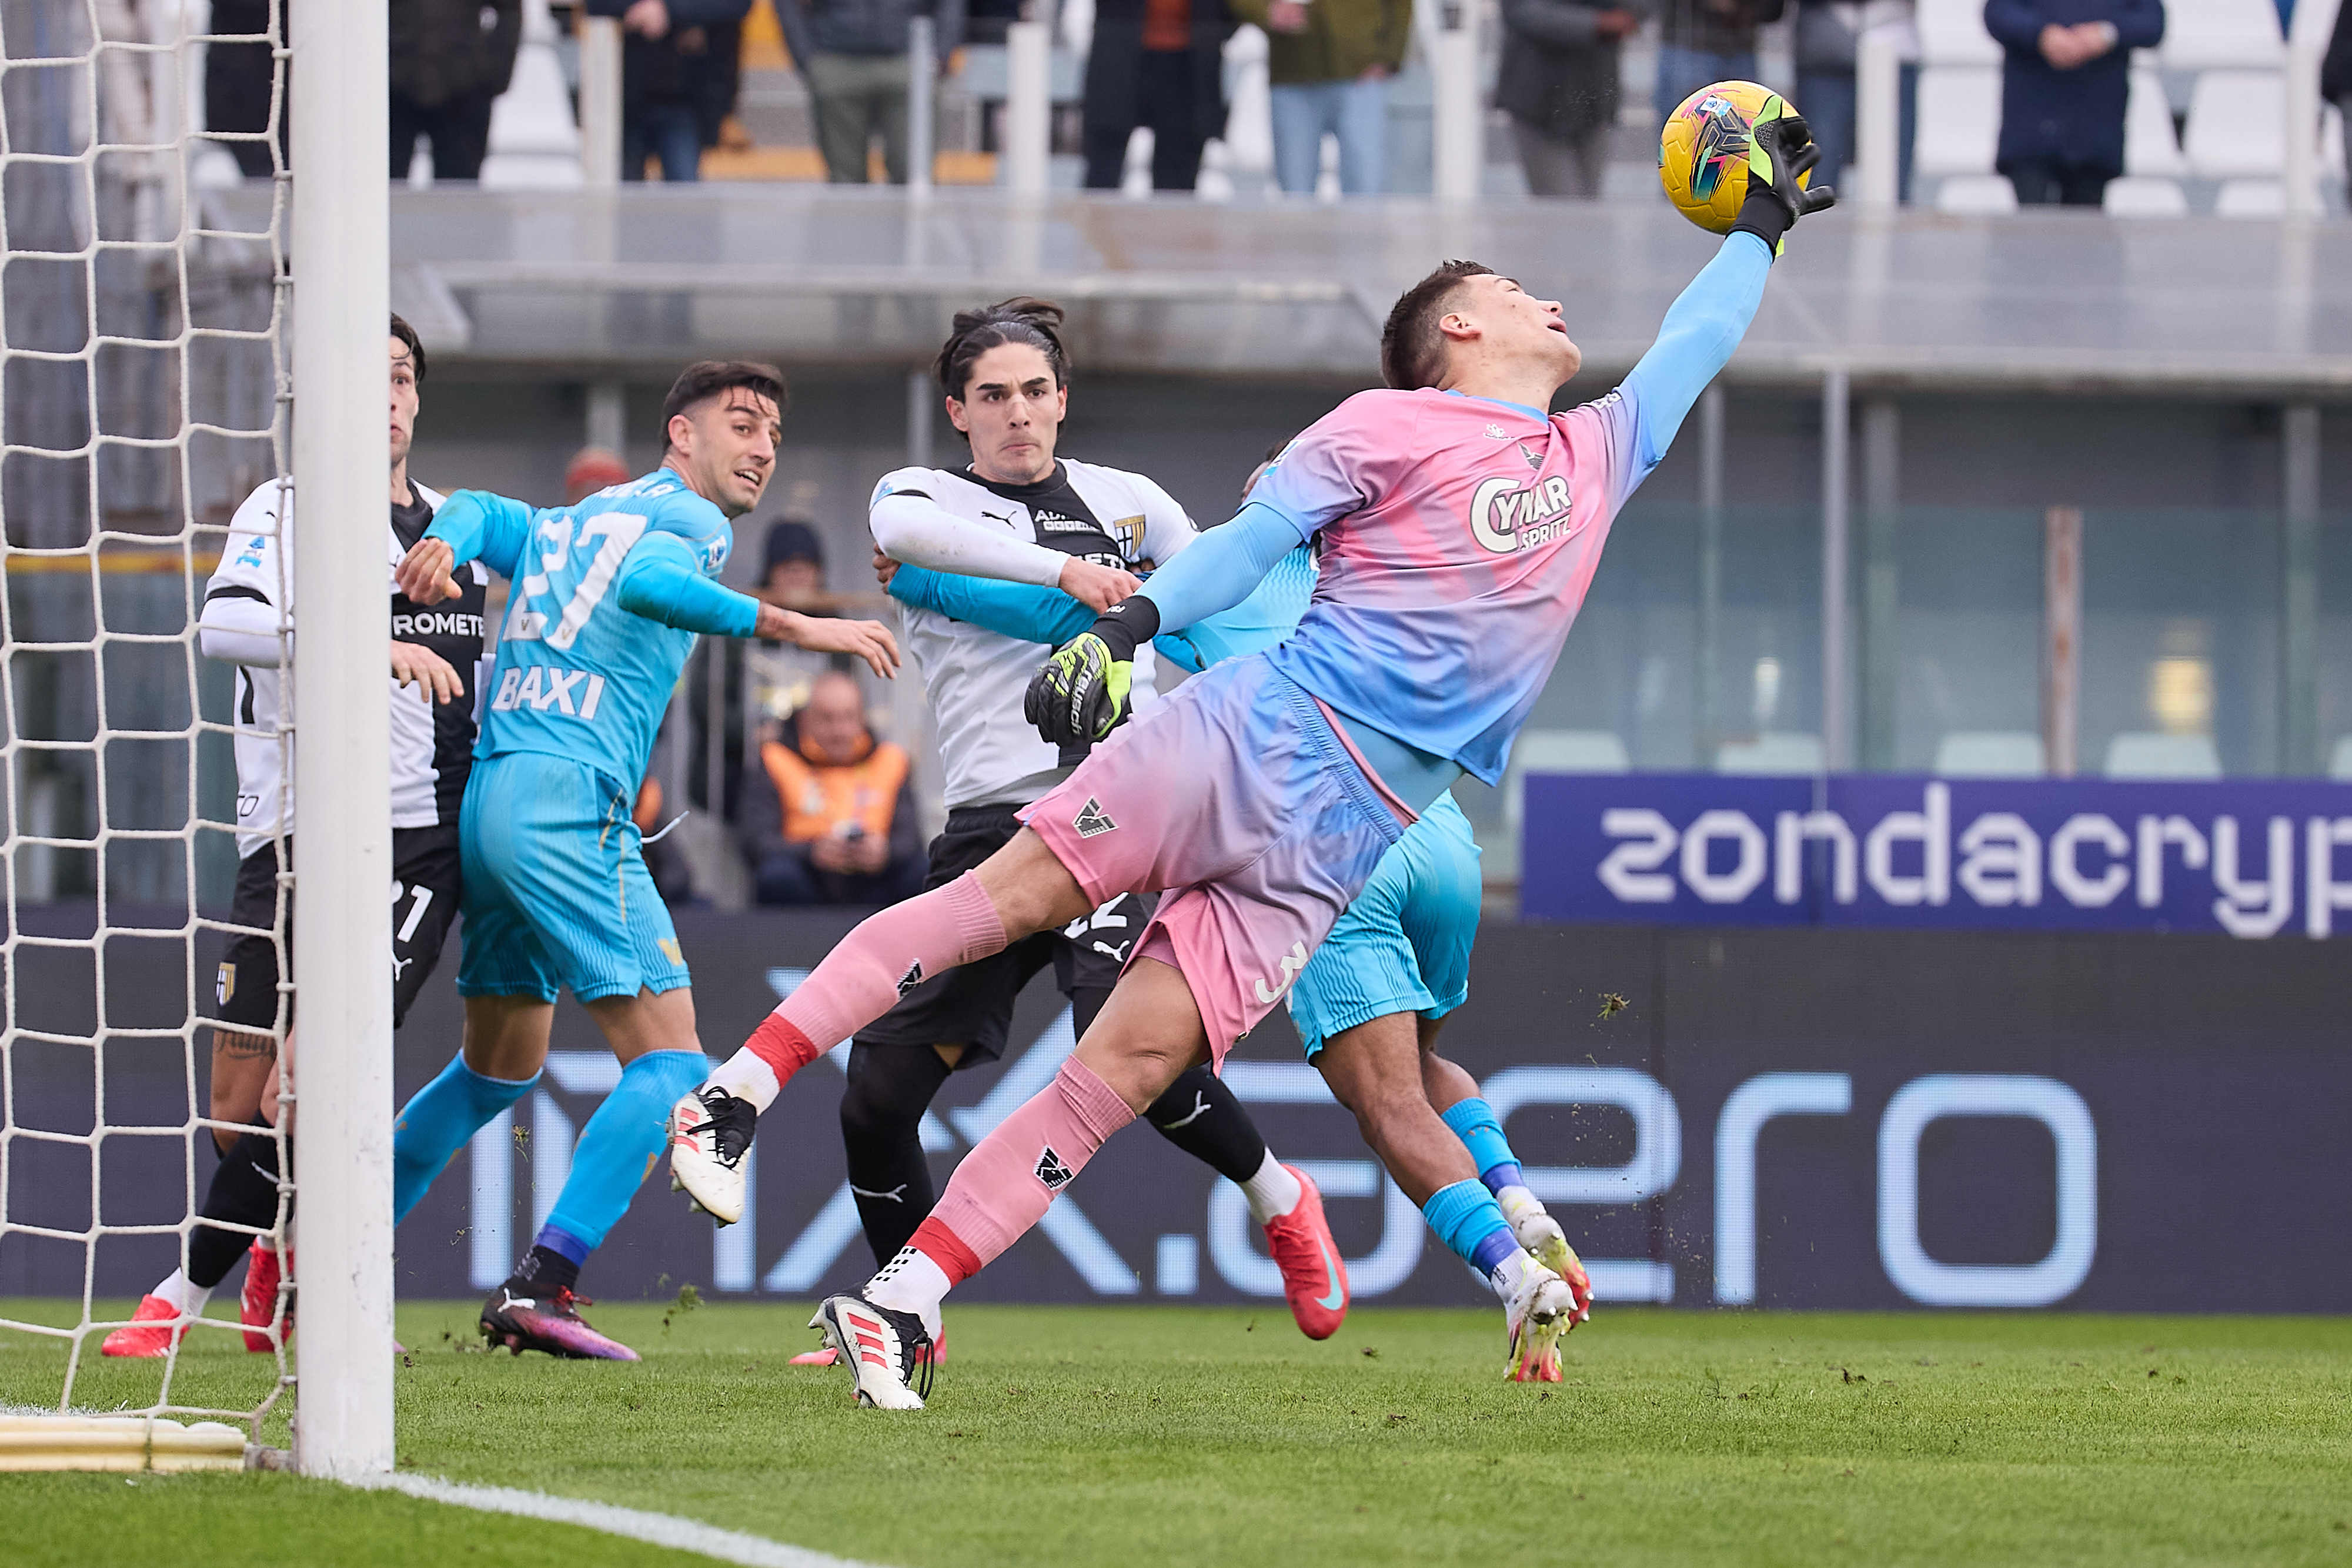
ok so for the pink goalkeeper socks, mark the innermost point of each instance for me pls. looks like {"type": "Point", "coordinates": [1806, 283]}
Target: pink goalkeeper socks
{"type": "Point", "coordinates": [864, 976]}
{"type": "Point", "coordinates": [1002, 1186]}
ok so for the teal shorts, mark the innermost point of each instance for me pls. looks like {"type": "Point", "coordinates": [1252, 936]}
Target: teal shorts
{"type": "Point", "coordinates": [557, 894]}
{"type": "Point", "coordinates": [1403, 946]}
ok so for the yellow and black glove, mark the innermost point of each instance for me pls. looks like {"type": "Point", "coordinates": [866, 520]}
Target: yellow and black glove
{"type": "Point", "coordinates": [1080, 694]}
{"type": "Point", "coordinates": [1780, 153]}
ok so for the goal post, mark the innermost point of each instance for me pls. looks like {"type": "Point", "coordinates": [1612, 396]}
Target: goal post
{"type": "Point", "coordinates": [342, 842]}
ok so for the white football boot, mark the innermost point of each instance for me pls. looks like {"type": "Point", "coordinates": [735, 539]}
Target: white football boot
{"type": "Point", "coordinates": [1540, 1311]}
{"type": "Point", "coordinates": [710, 1133]}
{"type": "Point", "coordinates": [881, 1347]}
{"type": "Point", "coordinates": [1541, 1235]}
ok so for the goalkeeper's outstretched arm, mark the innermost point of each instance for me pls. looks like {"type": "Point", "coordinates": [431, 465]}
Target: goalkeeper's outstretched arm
{"type": "Point", "coordinates": [661, 578]}
{"type": "Point", "coordinates": [1707, 320]}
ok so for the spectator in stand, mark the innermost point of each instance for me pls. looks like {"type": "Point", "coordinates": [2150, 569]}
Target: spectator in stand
{"type": "Point", "coordinates": [677, 59]}
{"type": "Point", "coordinates": [1329, 65]}
{"type": "Point", "coordinates": [829, 817]}
{"type": "Point", "coordinates": [450, 61]}
{"type": "Point", "coordinates": [1558, 84]}
{"type": "Point", "coordinates": [1158, 63]}
{"type": "Point", "coordinates": [778, 677]}
{"type": "Point", "coordinates": [853, 55]}
{"type": "Point", "coordinates": [593, 469]}
{"type": "Point", "coordinates": [239, 79]}
{"type": "Point", "coordinates": [2335, 72]}
{"type": "Point", "coordinates": [1705, 41]}
{"type": "Point", "coordinates": [1828, 45]}
{"type": "Point", "coordinates": [2065, 74]}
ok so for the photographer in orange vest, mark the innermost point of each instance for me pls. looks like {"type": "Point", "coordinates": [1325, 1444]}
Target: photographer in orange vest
{"type": "Point", "coordinates": [828, 814]}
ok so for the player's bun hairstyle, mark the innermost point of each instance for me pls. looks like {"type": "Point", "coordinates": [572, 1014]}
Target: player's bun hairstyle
{"type": "Point", "coordinates": [1413, 350]}
{"type": "Point", "coordinates": [407, 334]}
{"type": "Point", "coordinates": [706, 379]}
{"type": "Point", "coordinates": [1020, 320]}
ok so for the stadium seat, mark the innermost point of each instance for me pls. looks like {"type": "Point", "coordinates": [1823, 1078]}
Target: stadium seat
{"type": "Point", "coordinates": [2145, 196]}
{"type": "Point", "coordinates": [1976, 193]}
{"type": "Point", "coordinates": [2251, 199]}
{"type": "Point", "coordinates": [1959, 119]}
{"type": "Point", "coordinates": [1989, 754]}
{"type": "Point", "coordinates": [1772, 752]}
{"type": "Point", "coordinates": [1952, 33]}
{"type": "Point", "coordinates": [2151, 142]}
{"type": "Point", "coordinates": [2152, 754]}
{"type": "Point", "coordinates": [2200, 35]}
{"type": "Point", "coordinates": [534, 143]}
{"type": "Point", "coordinates": [2235, 129]}
{"type": "Point", "coordinates": [2339, 763]}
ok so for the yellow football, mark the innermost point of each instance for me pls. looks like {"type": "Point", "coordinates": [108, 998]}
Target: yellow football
{"type": "Point", "coordinates": [1703, 151]}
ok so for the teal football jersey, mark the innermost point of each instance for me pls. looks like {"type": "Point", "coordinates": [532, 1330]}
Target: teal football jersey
{"type": "Point", "coordinates": [581, 672]}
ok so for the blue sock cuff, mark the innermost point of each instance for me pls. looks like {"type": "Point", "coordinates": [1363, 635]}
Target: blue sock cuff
{"type": "Point", "coordinates": [1481, 1131]}
{"type": "Point", "coordinates": [1507, 1173]}
{"type": "Point", "coordinates": [1466, 1218]}
{"type": "Point", "coordinates": [557, 1240]}
{"type": "Point", "coordinates": [676, 1071]}
{"type": "Point", "coordinates": [508, 1090]}
{"type": "Point", "coordinates": [1490, 1253]}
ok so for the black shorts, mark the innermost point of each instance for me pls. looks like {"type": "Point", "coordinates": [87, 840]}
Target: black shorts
{"type": "Point", "coordinates": [425, 890]}
{"type": "Point", "coordinates": [972, 1006]}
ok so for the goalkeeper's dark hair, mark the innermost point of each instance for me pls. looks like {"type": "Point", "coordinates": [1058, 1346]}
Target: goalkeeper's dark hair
{"type": "Point", "coordinates": [1413, 350]}
{"type": "Point", "coordinates": [416, 345]}
{"type": "Point", "coordinates": [1020, 320]}
{"type": "Point", "coordinates": [706, 379]}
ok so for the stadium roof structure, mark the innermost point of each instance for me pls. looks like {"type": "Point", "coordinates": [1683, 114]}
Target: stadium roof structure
{"type": "Point", "coordinates": [2053, 301]}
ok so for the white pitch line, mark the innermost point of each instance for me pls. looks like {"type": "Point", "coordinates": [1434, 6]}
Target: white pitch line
{"type": "Point", "coordinates": [635, 1524]}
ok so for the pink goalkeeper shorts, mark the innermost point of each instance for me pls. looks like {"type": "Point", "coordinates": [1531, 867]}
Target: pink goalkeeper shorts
{"type": "Point", "coordinates": [1237, 791]}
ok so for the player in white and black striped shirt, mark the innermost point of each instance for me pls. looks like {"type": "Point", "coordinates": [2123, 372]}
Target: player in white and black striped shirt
{"type": "Point", "coordinates": [434, 658]}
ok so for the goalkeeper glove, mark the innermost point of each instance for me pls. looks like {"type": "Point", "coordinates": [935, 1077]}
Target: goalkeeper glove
{"type": "Point", "coordinates": [1780, 150]}
{"type": "Point", "coordinates": [1080, 694]}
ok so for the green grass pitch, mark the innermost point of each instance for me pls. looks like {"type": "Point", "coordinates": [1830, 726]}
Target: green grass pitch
{"type": "Point", "coordinates": [1062, 1437]}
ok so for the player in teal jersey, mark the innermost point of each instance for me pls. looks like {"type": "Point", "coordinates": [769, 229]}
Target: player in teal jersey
{"type": "Point", "coordinates": [608, 596]}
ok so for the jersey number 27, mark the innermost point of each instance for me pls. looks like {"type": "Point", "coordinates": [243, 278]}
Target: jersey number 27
{"type": "Point", "coordinates": [609, 533]}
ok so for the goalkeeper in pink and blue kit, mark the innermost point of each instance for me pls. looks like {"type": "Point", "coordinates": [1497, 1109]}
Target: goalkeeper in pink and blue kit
{"type": "Point", "coordinates": [1459, 527]}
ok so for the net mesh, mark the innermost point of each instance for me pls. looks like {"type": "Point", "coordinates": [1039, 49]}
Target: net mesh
{"type": "Point", "coordinates": [143, 394]}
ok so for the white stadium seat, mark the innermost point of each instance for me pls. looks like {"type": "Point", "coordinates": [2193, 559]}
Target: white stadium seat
{"type": "Point", "coordinates": [2339, 765]}
{"type": "Point", "coordinates": [2235, 128]}
{"type": "Point", "coordinates": [2146, 196]}
{"type": "Point", "coordinates": [1952, 33]}
{"type": "Point", "coordinates": [1773, 752]}
{"type": "Point", "coordinates": [2251, 199]}
{"type": "Point", "coordinates": [2152, 754]}
{"type": "Point", "coordinates": [1976, 194]}
{"type": "Point", "coordinates": [1989, 754]}
{"type": "Point", "coordinates": [2200, 35]}
{"type": "Point", "coordinates": [2151, 144]}
{"type": "Point", "coordinates": [1547, 752]}
{"type": "Point", "coordinates": [1959, 119]}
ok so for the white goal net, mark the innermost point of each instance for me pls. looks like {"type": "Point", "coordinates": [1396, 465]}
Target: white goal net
{"type": "Point", "coordinates": [144, 393]}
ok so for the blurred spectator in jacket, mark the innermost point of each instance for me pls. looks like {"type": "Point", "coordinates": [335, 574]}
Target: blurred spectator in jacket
{"type": "Point", "coordinates": [677, 78]}
{"type": "Point", "coordinates": [450, 61]}
{"type": "Point", "coordinates": [593, 469]}
{"type": "Point", "coordinates": [1329, 63]}
{"type": "Point", "coordinates": [830, 816]}
{"type": "Point", "coordinates": [1828, 47]}
{"type": "Point", "coordinates": [239, 80]}
{"type": "Point", "coordinates": [1158, 63]}
{"type": "Point", "coordinates": [853, 55]}
{"type": "Point", "coordinates": [1558, 84]}
{"type": "Point", "coordinates": [2335, 72]}
{"type": "Point", "coordinates": [778, 677]}
{"type": "Point", "coordinates": [2065, 74]}
{"type": "Point", "coordinates": [1701, 42]}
